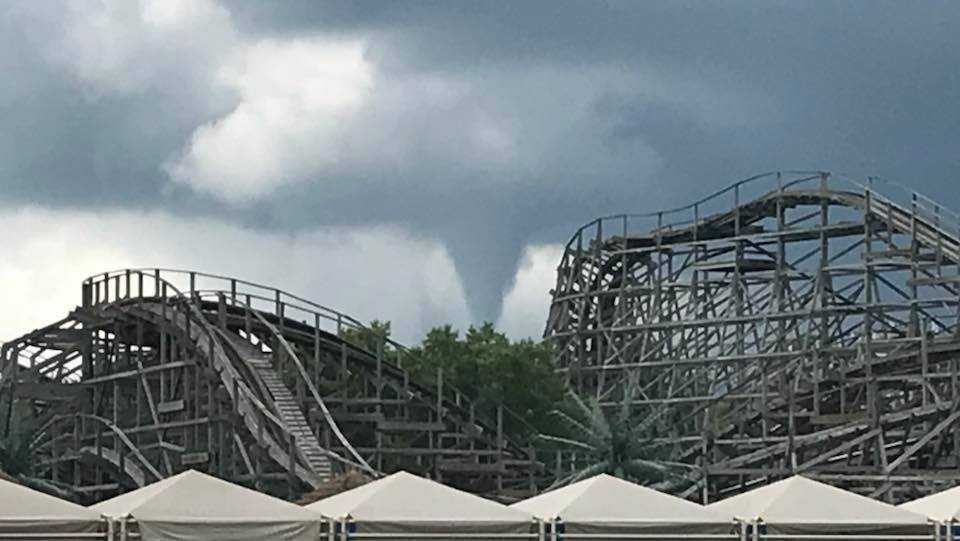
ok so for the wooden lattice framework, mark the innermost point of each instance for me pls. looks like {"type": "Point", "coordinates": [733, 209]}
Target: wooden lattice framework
{"type": "Point", "coordinates": [794, 322]}
{"type": "Point", "coordinates": [163, 370]}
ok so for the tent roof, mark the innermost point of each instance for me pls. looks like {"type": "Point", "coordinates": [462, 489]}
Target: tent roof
{"type": "Point", "coordinates": [195, 496]}
{"type": "Point", "coordinates": [20, 503]}
{"type": "Point", "coordinates": [404, 497]}
{"type": "Point", "coordinates": [798, 500]}
{"type": "Point", "coordinates": [944, 505]}
{"type": "Point", "coordinates": [605, 498]}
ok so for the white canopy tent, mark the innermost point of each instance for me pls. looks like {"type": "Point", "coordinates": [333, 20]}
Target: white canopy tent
{"type": "Point", "coordinates": [943, 506]}
{"type": "Point", "coordinates": [803, 506]}
{"type": "Point", "coordinates": [25, 511]}
{"type": "Point", "coordinates": [403, 504]}
{"type": "Point", "coordinates": [606, 504]}
{"type": "Point", "coordinates": [193, 506]}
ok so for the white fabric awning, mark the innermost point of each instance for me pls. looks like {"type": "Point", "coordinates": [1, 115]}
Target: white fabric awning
{"type": "Point", "coordinates": [944, 505]}
{"type": "Point", "coordinates": [24, 510]}
{"type": "Point", "coordinates": [801, 505]}
{"type": "Point", "coordinates": [607, 504]}
{"type": "Point", "coordinates": [195, 506]}
{"type": "Point", "coordinates": [405, 503]}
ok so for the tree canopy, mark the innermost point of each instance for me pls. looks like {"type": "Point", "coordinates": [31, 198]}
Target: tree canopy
{"type": "Point", "coordinates": [490, 368]}
{"type": "Point", "coordinates": [486, 366]}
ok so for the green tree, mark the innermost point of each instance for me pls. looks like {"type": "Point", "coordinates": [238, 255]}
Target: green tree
{"type": "Point", "coordinates": [369, 338]}
{"type": "Point", "coordinates": [490, 369]}
{"type": "Point", "coordinates": [484, 365]}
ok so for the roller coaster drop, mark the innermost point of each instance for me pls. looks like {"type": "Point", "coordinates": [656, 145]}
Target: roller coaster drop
{"type": "Point", "coordinates": [791, 323]}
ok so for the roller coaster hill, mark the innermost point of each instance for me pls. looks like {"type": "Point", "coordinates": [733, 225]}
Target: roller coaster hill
{"type": "Point", "coordinates": [159, 371]}
{"type": "Point", "coordinates": [795, 322]}
{"type": "Point", "coordinates": [792, 323]}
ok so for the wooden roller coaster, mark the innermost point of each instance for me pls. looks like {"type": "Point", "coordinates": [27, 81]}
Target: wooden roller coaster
{"type": "Point", "coordinates": [162, 370]}
{"type": "Point", "coordinates": [791, 323]}
{"type": "Point", "coordinates": [795, 322]}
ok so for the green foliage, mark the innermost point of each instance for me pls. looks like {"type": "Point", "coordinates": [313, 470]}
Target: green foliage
{"type": "Point", "coordinates": [370, 338]}
{"type": "Point", "coordinates": [16, 453]}
{"type": "Point", "coordinates": [489, 368]}
{"type": "Point", "coordinates": [613, 440]}
{"type": "Point", "coordinates": [16, 441]}
{"type": "Point", "coordinates": [16, 463]}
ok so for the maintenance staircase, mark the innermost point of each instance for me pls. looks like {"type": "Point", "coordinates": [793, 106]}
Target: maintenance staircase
{"type": "Point", "coordinates": [287, 406]}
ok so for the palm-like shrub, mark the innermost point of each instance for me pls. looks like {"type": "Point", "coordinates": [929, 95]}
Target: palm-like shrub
{"type": "Point", "coordinates": [16, 454]}
{"type": "Point", "coordinates": [16, 463]}
{"type": "Point", "coordinates": [618, 441]}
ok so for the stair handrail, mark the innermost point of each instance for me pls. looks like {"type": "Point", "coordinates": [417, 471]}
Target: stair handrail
{"type": "Point", "coordinates": [405, 351]}
{"type": "Point", "coordinates": [157, 275]}
{"type": "Point", "coordinates": [400, 349]}
{"type": "Point", "coordinates": [247, 396]}
{"type": "Point", "coordinates": [284, 298]}
{"type": "Point", "coordinates": [328, 417]}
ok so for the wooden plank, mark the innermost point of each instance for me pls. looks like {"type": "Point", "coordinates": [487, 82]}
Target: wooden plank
{"type": "Point", "coordinates": [838, 418]}
{"type": "Point", "coordinates": [201, 457]}
{"type": "Point", "coordinates": [402, 426]}
{"type": "Point", "coordinates": [48, 391]}
{"type": "Point", "coordinates": [354, 417]}
{"type": "Point", "coordinates": [471, 467]}
{"type": "Point", "coordinates": [170, 406]}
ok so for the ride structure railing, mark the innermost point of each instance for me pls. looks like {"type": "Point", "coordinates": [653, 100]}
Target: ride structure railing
{"type": "Point", "coordinates": [693, 215]}
{"type": "Point", "coordinates": [192, 287]}
{"type": "Point", "coordinates": [133, 285]}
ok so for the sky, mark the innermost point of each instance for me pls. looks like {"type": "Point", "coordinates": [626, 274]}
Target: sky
{"type": "Point", "coordinates": [424, 162]}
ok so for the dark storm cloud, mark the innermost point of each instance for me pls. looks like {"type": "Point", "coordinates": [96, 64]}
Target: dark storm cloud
{"type": "Point", "coordinates": [681, 99]}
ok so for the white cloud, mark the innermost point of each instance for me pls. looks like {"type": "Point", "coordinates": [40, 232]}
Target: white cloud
{"type": "Point", "coordinates": [296, 98]}
{"type": "Point", "coordinates": [369, 272]}
{"type": "Point", "coordinates": [270, 113]}
{"type": "Point", "coordinates": [526, 305]}
{"type": "Point", "coordinates": [314, 108]}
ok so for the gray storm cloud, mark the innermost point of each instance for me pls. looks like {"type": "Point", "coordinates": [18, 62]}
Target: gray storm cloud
{"type": "Point", "coordinates": [487, 127]}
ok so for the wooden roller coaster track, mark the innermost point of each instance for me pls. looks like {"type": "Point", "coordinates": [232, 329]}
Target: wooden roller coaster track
{"type": "Point", "coordinates": [162, 370]}
{"type": "Point", "coordinates": [794, 322]}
